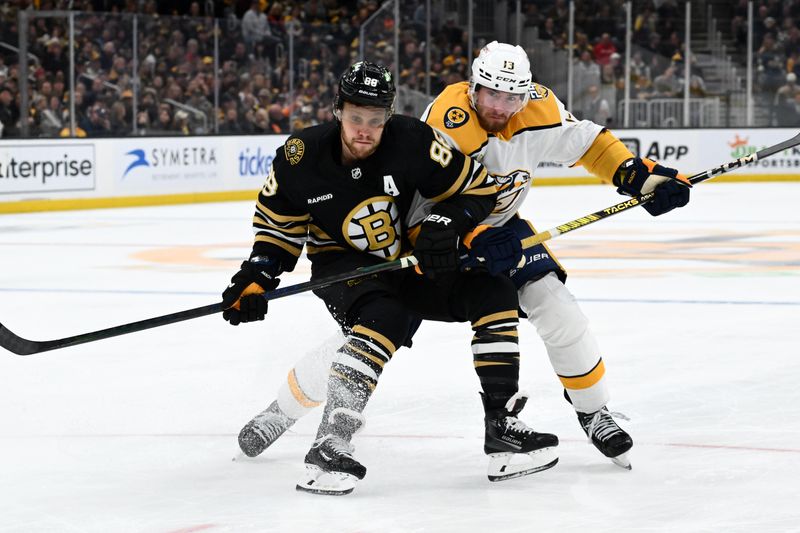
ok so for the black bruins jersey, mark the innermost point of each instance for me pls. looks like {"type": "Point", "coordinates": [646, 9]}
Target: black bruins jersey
{"type": "Point", "coordinates": [311, 199]}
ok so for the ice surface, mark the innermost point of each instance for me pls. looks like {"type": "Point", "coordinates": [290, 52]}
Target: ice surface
{"type": "Point", "coordinates": [696, 313]}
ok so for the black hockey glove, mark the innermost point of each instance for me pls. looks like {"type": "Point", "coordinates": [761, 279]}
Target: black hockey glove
{"type": "Point", "coordinates": [436, 247]}
{"type": "Point", "coordinates": [498, 249]}
{"type": "Point", "coordinates": [637, 176]}
{"type": "Point", "coordinates": [668, 196]}
{"type": "Point", "coordinates": [242, 299]}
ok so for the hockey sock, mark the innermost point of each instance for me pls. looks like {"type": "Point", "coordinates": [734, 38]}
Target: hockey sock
{"type": "Point", "coordinates": [495, 352]}
{"type": "Point", "coordinates": [353, 376]}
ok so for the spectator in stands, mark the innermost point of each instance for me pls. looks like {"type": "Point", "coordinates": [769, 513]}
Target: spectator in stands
{"type": "Point", "coordinates": [587, 73]}
{"type": "Point", "coordinates": [261, 122]}
{"type": "Point", "coordinates": [163, 122]}
{"type": "Point", "coordinates": [230, 122]}
{"type": "Point", "coordinates": [667, 85]}
{"type": "Point", "coordinates": [760, 23]}
{"type": "Point", "coordinates": [324, 114]}
{"type": "Point", "coordinates": [785, 102]}
{"type": "Point", "coordinates": [559, 10]}
{"type": "Point", "coordinates": [547, 30]}
{"type": "Point", "coordinates": [615, 62]}
{"type": "Point", "coordinates": [532, 18]}
{"type": "Point", "coordinates": [54, 60]}
{"type": "Point", "coordinates": [791, 44]}
{"type": "Point", "coordinates": [697, 85]}
{"type": "Point", "coordinates": [603, 49]}
{"type": "Point", "coordinates": [597, 108]}
{"type": "Point", "coordinates": [770, 65]}
{"type": "Point", "coordinates": [644, 24]}
{"type": "Point", "coordinates": [581, 45]}
{"type": "Point", "coordinates": [739, 23]}
{"type": "Point", "coordinates": [653, 46]}
{"type": "Point", "coordinates": [255, 26]}
{"type": "Point", "coordinates": [278, 119]}
{"type": "Point", "coordinates": [9, 113]}
{"type": "Point", "coordinates": [180, 123]}
{"type": "Point", "coordinates": [275, 18]}
{"type": "Point", "coordinates": [97, 123]}
{"type": "Point", "coordinates": [119, 123]}
{"type": "Point", "coordinates": [639, 69]}
{"type": "Point", "coordinates": [198, 100]}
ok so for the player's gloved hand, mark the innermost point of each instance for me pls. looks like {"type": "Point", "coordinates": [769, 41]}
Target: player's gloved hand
{"type": "Point", "coordinates": [436, 247]}
{"type": "Point", "coordinates": [242, 299]}
{"type": "Point", "coordinates": [635, 177]}
{"type": "Point", "coordinates": [498, 249]}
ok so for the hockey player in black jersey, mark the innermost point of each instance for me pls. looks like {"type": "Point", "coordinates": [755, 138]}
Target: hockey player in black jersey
{"type": "Point", "coordinates": [345, 190]}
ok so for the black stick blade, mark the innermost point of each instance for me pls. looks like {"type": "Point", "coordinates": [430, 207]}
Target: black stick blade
{"type": "Point", "coordinates": [16, 344]}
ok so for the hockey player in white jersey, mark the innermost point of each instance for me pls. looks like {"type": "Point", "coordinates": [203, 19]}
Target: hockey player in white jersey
{"type": "Point", "coordinates": [510, 125]}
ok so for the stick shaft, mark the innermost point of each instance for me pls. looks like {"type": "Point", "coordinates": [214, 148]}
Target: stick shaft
{"type": "Point", "coordinates": [639, 200]}
{"type": "Point", "coordinates": [20, 346]}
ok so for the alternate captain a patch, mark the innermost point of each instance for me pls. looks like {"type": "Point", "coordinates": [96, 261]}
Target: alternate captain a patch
{"type": "Point", "coordinates": [455, 117]}
{"type": "Point", "coordinates": [294, 149]}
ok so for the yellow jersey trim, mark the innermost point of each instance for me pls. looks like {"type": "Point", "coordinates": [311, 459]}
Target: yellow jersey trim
{"type": "Point", "coordinates": [604, 156]}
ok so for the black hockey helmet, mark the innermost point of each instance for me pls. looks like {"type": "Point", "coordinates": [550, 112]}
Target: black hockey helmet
{"type": "Point", "coordinates": [368, 84]}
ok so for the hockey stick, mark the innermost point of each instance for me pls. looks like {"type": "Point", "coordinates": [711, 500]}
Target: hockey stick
{"type": "Point", "coordinates": [700, 177]}
{"type": "Point", "coordinates": [20, 346]}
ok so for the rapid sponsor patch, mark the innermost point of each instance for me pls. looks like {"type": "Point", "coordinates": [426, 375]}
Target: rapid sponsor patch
{"type": "Point", "coordinates": [294, 149]}
{"type": "Point", "coordinates": [455, 117]}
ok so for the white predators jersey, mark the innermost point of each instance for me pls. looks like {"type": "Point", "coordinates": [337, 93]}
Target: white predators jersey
{"type": "Point", "coordinates": [543, 131]}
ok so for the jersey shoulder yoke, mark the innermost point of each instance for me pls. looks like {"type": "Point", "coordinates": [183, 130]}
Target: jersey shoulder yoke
{"type": "Point", "coordinates": [452, 114]}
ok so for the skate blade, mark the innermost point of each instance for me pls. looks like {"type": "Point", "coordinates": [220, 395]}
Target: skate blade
{"type": "Point", "coordinates": [319, 481]}
{"type": "Point", "coordinates": [503, 466]}
{"type": "Point", "coordinates": [622, 461]}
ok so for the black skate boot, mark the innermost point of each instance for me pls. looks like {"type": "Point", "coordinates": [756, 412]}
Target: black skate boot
{"type": "Point", "coordinates": [330, 466]}
{"type": "Point", "coordinates": [513, 448]}
{"type": "Point", "coordinates": [607, 436]}
{"type": "Point", "coordinates": [258, 434]}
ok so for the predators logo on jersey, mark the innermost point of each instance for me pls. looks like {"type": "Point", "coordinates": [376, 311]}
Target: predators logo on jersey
{"type": "Point", "coordinates": [373, 226]}
{"type": "Point", "coordinates": [294, 149]}
{"type": "Point", "coordinates": [455, 117]}
{"type": "Point", "coordinates": [539, 92]}
{"type": "Point", "coordinates": [511, 186]}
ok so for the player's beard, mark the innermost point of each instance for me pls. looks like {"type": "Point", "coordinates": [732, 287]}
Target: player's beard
{"type": "Point", "coordinates": [361, 147]}
{"type": "Point", "coordinates": [493, 121]}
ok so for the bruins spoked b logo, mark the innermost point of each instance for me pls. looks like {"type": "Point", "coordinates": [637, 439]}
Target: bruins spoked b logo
{"type": "Point", "coordinates": [294, 149]}
{"type": "Point", "coordinates": [455, 117]}
{"type": "Point", "coordinates": [373, 226]}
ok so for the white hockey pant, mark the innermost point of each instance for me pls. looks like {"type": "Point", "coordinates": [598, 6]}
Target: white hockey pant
{"type": "Point", "coordinates": [570, 344]}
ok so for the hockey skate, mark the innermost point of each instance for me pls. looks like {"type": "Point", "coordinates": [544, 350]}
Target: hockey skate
{"type": "Point", "coordinates": [513, 448]}
{"type": "Point", "coordinates": [607, 436]}
{"type": "Point", "coordinates": [264, 429]}
{"type": "Point", "coordinates": [330, 467]}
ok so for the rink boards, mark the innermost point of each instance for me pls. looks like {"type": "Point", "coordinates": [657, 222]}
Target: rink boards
{"type": "Point", "coordinates": [47, 174]}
